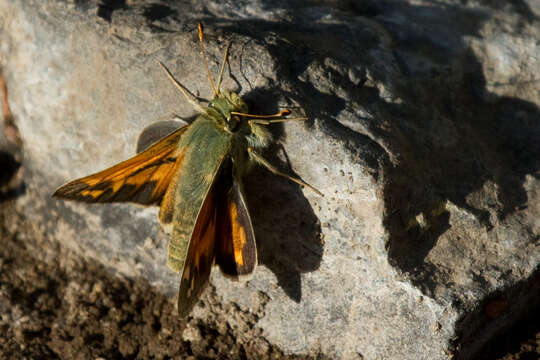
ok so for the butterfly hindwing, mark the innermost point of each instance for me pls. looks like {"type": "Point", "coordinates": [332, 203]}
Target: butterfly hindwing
{"type": "Point", "coordinates": [143, 179]}
{"type": "Point", "coordinates": [236, 251]}
{"type": "Point", "coordinates": [156, 131]}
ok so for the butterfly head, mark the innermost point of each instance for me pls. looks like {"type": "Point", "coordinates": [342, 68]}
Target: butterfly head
{"type": "Point", "coordinates": [225, 104]}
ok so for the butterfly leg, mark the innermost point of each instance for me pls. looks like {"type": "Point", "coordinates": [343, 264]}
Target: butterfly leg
{"type": "Point", "coordinates": [274, 170]}
{"type": "Point", "coordinates": [263, 119]}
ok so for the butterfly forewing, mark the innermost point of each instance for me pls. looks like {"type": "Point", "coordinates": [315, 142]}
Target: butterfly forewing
{"type": "Point", "coordinates": [194, 209]}
{"type": "Point", "coordinates": [143, 179]}
{"type": "Point", "coordinates": [206, 146]}
{"type": "Point", "coordinates": [200, 257]}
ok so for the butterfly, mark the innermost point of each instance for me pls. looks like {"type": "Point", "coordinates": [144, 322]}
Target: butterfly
{"type": "Point", "coordinates": [194, 174]}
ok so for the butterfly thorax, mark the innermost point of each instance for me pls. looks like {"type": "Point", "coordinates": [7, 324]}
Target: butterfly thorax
{"type": "Point", "coordinates": [221, 110]}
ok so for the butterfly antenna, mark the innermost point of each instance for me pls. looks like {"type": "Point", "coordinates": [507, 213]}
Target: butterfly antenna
{"type": "Point", "coordinates": [191, 99]}
{"type": "Point", "coordinates": [201, 41]}
{"type": "Point", "coordinates": [225, 55]}
{"type": "Point", "coordinates": [262, 119]}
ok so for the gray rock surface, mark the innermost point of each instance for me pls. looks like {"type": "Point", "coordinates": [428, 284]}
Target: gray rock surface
{"type": "Point", "coordinates": [424, 135]}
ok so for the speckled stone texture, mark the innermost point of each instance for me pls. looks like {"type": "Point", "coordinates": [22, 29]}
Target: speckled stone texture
{"type": "Point", "coordinates": [423, 134]}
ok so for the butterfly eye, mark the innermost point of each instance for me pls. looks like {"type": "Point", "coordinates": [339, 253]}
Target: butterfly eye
{"type": "Point", "coordinates": [232, 122]}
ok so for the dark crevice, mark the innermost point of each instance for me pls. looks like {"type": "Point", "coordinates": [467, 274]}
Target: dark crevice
{"type": "Point", "coordinates": [157, 12]}
{"type": "Point", "coordinates": [107, 7]}
{"type": "Point", "coordinates": [506, 318]}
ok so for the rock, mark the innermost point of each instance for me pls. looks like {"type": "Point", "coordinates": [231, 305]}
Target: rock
{"type": "Point", "coordinates": [423, 136]}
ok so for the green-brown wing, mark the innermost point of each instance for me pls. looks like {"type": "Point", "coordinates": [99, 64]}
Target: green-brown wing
{"type": "Point", "coordinates": [143, 179]}
{"type": "Point", "coordinates": [192, 202]}
{"type": "Point", "coordinates": [200, 257]}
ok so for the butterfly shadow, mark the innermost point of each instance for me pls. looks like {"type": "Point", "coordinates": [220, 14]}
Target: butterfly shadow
{"type": "Point", "coordinates": [287, 231]}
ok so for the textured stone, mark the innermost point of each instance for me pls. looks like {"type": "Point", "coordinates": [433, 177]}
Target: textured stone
{"type": "Point", "coordinates": [423, 135]}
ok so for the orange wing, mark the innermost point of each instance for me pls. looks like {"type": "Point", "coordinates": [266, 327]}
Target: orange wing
{"type": "Point", "coordinates": [236, 251]}
{"type": "Point", "coordinates": [143, 179]}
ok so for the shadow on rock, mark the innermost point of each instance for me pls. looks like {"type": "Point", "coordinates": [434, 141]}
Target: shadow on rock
{"type": "Point", "coordinates": [444, 142]}
{"type": "Point", "coordinates": [459, 144]}
{"type": "Point", "coordinates": [450, 141]}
